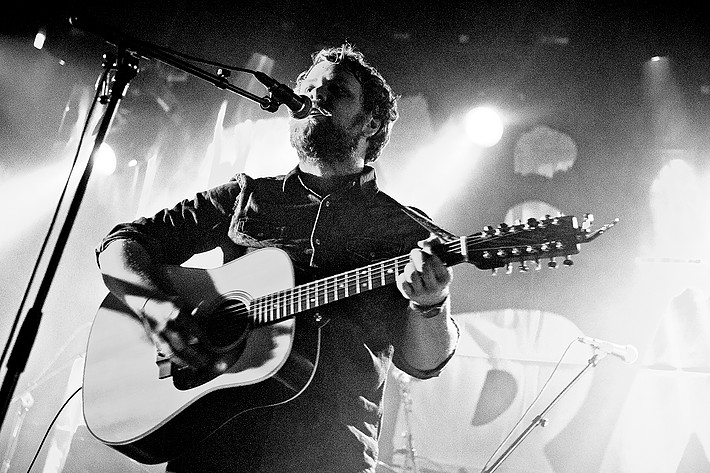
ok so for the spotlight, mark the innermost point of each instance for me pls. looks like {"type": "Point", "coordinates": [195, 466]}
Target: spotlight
{"type": "Point", "coordinates": [105, 163]}
{"type": "Point", "coordinates": [484, 126]}
{"type": "Point", "coordinates": [40, 37]}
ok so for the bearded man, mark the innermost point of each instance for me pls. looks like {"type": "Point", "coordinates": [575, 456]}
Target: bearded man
{"type": "Point", "coordinates": [329, 216]}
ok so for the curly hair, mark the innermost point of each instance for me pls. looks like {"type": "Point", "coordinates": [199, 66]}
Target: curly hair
{"type": "Point", "coordinates": [378, 98]}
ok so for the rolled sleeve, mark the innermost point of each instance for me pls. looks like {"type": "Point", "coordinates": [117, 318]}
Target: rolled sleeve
{"type": "Point", "coordinates": [193, 226]}
{"type": "Point", "coordinates": [401, 363]}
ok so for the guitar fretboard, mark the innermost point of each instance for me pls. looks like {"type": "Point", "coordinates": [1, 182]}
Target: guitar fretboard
{"type": "Point", "coordinates": [490, 249]}
{"type": "Point", "coordinates": [280, 305]}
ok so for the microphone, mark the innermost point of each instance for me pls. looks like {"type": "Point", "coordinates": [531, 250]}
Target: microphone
{"type": "Point", "coordinates": [628, 353]}
{"type": "Point", "coordinates": [300, 105]}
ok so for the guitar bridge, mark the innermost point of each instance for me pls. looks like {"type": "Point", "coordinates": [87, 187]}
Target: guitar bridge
{"type": "Point", "coordinates": [164, 365]}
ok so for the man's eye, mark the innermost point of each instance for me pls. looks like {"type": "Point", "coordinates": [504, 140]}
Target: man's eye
{"type": "Point", "coordinates": [338, 89]}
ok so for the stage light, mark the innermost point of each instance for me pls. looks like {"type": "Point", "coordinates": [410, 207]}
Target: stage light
{"type": "Point", "coordinates": [40, 37]}
{"type": "Point", "coordinates": [105, 160]}
{"type": "Point", "coordinates": [484, 126]}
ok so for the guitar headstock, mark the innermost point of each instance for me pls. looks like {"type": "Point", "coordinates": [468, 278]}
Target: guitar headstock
{"type": "Point", "coordinates": [539, 241]}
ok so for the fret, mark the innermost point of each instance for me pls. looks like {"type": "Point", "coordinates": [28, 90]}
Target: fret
{"type": "Point", "coordinates": [300, 298]}
{"type": "Point", "coordinates": [281, 306]}
{"type": "Point", "coordinates": [382, 274]}
{"type": "Point", "coordinates": [254, 311]}
{"type": "Point", "coordinates": [336, 288]}
{"type": "Point", "coordinates": [351, 277]}
{"type": "Point", "coordinates": [272, 306]}
{"type": "Point", "coordinates": [308, 299]}
{"type": "Point", "coordinates": [390, 274]}
{"type": "Point", "coordinates": [323, 292]}
{"type": "Point", "coordinates": [313, 296]}
{"type": "Point", "coordinates": [363, 283]}
{"type": "Point", "coordinates": [369, 279]}
{"type": "Point", "coordinates": [292, 296]}
{"type": "Point", "coordinates": [399, 266]}
{"type": "Point", "coordinates": [267, 308]}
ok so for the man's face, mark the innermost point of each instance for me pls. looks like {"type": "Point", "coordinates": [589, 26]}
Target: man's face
{"type": "Point", "coordinates": [332, 138]}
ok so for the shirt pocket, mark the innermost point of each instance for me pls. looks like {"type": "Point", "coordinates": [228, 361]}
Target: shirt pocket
{"type": "Point", "coordinates": [258, 232]}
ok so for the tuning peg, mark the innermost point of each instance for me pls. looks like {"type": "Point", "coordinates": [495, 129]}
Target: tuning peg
{"type": "Point", "coordinates": [488, 229]}
{"type": "Point", "coordinates": [503, 227]}
{"type": "Point", "coordinates": [494, 272]}
{"type": "Point", "coordinates": [568, 261]}
{"type": "Point", "coordinates": [587, 222]}
{"type": "Point", "coordinates": [508, 268]}
{"type": "Point", "coordinates": [538, 266]}
{"type": "Point", "coordinates": [552, 263]}
{"type": "Point", "coordinates": [523, 267]}
{"type": "Point", "coordinates": [532, 223]}
{"type": "Point", "coordinates": [487, 255]}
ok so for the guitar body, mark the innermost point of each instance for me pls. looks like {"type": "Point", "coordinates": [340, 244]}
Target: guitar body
{"type": "Point", "coordinates": [128, 406]}
{"type": "Point", "coordinates": [152, 410]}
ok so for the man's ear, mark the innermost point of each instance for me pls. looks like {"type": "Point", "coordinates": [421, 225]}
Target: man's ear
{"type": "Point", "coordinates": [372, 126]}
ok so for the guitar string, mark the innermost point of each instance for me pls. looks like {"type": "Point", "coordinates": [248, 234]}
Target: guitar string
{"type": "Point", "coordinates": [351, 278]}
{"type": "Point", "coordinates": [268, 308]}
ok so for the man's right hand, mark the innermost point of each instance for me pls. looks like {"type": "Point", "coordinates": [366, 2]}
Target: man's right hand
{"type": "Point", "coordinates": [169, 322]}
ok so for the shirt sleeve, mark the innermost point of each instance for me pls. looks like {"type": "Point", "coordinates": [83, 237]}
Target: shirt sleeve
{"type": "Point", "coordinates": [173, 235]}
{"type": "Point", "coordinates": [401, 363]}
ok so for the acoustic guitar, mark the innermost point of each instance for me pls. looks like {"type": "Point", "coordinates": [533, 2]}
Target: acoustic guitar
{"type": "Point", "coordinates": [145, 404]}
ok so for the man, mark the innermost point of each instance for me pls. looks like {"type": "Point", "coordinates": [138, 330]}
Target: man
{"type": "Point", "coordinates": [330, 217]}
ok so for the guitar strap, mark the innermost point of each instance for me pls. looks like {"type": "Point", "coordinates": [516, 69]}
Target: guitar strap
{"type": "Point", "coordinates": [419, 217]}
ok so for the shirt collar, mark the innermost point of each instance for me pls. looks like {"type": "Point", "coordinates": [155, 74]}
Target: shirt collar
{"type": "Point", "coordinates": [366, 182]}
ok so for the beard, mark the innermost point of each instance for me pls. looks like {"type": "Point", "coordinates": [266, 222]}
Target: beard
{"type": "Point", "coordinates": [323, 141]}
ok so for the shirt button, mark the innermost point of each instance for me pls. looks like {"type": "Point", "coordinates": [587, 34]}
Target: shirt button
{"type": "Point", "coordinates": [327, 203]}
{"type": "Point", "coordinates": [317, 241]}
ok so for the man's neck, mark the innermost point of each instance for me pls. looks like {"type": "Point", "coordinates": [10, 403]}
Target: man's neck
{"type": "Point", "coordinates": [324, 178]}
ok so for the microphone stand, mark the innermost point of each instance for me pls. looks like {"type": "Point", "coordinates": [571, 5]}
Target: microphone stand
{"type": "Point", "coordinates": [540, 419]}
{"type": "Point", "coordinates": [125, 68]}
{"type": "Point", "coordinates": [409, 451]}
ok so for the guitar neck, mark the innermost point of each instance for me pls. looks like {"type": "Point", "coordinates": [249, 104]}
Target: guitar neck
{"type": "Point", "coordinates": [284, 304]}
{"type": "Point", "coordinates": [490, 249]}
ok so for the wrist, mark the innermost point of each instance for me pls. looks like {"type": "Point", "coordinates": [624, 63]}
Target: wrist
{"type": "Point", "coordinates": [429, 311]}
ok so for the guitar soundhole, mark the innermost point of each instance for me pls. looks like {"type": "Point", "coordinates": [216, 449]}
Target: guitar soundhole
{"type": "Point", "coordinates": [227, 325]}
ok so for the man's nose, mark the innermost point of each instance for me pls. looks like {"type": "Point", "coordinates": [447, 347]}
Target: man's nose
{"type": "Point", "coordinates": [318, 94]}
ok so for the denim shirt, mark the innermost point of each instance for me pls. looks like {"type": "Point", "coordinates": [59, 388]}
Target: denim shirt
{"type": "Point", "coordinates": [334, 424]}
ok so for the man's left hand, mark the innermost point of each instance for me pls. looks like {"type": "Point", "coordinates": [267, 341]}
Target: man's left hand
{"type": "Point", "coordinates": [426, 279]}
